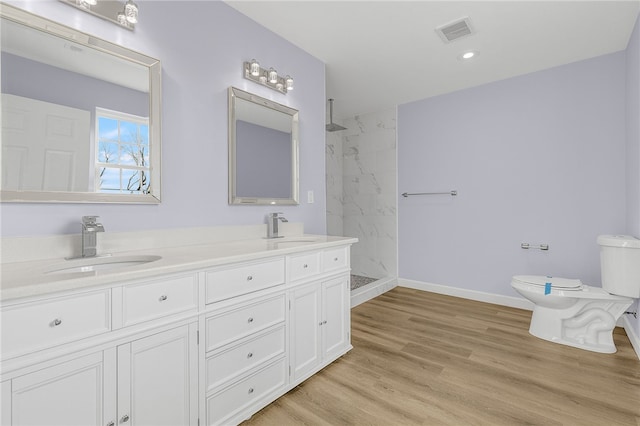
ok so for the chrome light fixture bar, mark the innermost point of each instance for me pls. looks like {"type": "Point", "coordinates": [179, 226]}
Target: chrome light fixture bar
{"type": "Point", "coordinates": [267, 77]}
{"type": "Point", "coordinates": [121, 12]}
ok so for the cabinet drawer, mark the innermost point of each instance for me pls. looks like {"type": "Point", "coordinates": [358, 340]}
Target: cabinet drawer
{"type": "Point", "coordinates": [233, 325]}
{"type": "Point", "coordinates": [335, 259]}
{"type": "Point", "coordinates": [239, 359]}
{"type": "Point", "coordinates": [151, 300]}
{"type": "Point", "coordinates": [304, 265]}
{"type": "Point", "coordinates": [233, 399]}
{"type": "Point", "coordinates": [33, 326]}
{"type": "Point", "coordinates": [228, 283]}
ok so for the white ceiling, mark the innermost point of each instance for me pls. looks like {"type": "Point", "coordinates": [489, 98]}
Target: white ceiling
{"type": "Point", "coordinates": [379, 54]}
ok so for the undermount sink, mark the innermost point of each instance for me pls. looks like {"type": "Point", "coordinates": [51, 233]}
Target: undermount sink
{"type": "Point", "coordinates": [98, 264]}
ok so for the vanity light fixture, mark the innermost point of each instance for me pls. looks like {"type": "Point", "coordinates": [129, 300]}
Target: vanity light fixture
{"type": "Point", "coordinates": [121, 12]}
{"type": "Point", "coordinates": [122, 19]}
{"type": "Point", "coordinates": [255, 68]}
{"type": "Point", "coordinates": [273, 76]}
{"type": "Point", "coordinates": [131, 11]}
{"type": "Point", "coordinates": [266, 77]}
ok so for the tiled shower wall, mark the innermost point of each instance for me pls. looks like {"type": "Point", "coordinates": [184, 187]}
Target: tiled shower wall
{"type": "Point", "coordinates": [361, 191]}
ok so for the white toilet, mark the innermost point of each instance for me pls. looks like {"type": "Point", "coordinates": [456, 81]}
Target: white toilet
{"type": "Point", "coordinates": [571, 313]}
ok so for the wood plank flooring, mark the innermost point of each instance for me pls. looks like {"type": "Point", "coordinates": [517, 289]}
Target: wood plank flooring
{"type": "Point", "coordinates": [427, 359]}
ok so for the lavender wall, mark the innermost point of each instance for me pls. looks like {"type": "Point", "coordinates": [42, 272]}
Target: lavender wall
{"type": "Point", "coordinates": [537, 158]}
{"type": "Point", "coordinates": [202, 45]}
{"type": "Point", "coordinates": [633, 144]}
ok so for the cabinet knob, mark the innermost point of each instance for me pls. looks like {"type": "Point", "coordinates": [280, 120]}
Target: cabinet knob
{"type": "Point", "coordinates": [250, 320]}
{"type": "Point", "coordinates": [320, 323]}
{"type": "Point", "coordinates": [250, 355]}
{"type": "Point", "coordinates": [250, 391]}
{"type": "Point", "coordinates": [335, 259]}
{"type": "Point", "coordinates": [305, 266]}
{"type": "Point", "coordinates": [56, 322]}
{"type": "Point", "coordinates": [111, 423]}
{"type": "Point", "coordinates": [249, 278]}
{"type": "Point", "coordinates": [124, 418]}
{"type": "Point", "coordinates": [163, 297]}
{"type": "Point", "coordinates": [324, 322]}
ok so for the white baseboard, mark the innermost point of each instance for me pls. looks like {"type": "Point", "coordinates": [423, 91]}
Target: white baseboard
{"type": "Point", "coordinates": [498, 299]}
{"type": "Point", "coordinates": [633, 337]}
{"type": "Point", "coordinates": [369, 291]}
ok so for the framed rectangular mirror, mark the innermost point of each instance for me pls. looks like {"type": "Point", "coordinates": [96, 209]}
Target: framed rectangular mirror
{"type": "Point", "coordinates": [263, 151]}
{"type": "Point", "coordinates": [80, 116]}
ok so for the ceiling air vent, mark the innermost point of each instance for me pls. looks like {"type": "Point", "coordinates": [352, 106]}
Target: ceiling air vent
{"type": "Point", "coordinates": [455, 30]}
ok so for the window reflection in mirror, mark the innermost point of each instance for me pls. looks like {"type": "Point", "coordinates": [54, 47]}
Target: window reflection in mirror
{"type": "Point", "coordinates": [263, 150]}
{"type": "Point", "coordinates": [79, 122]}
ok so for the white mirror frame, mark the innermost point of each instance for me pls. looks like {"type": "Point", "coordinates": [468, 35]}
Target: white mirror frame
{"type": "Point", "coordinates": [58, 30]}
{"type": "Point", "coordinates": [234, 198]}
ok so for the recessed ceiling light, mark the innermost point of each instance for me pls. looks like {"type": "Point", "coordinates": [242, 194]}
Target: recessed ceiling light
{"type": "Point", "coordinates": [468, 55]}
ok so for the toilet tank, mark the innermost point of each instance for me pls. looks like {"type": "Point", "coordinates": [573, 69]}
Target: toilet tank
{"type": "Point", "coordinates": [620, 264]}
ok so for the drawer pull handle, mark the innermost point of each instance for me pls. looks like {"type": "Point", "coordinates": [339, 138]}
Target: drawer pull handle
{"type": "Point", "coordinates": [250, 355]}
{"type": "Point", "coordinates": [250, 320]}
{"type": "Point", "coordinates": [124, 418]}
{"type": "Point", "coordinates": [250, 391]}
{"type": "Point", "coordinates": [56, 322]}
{"type": "Point", "coordinates": [163, 297]}
{"type": "Point", "coordinates": [249, 278]}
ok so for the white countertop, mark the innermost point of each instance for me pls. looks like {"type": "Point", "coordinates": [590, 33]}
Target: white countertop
{"type": "Point", "coordinates": [30, 278]}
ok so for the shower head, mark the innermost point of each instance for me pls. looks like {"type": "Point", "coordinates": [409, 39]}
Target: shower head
{"type": "Point", "coordinates": [333, 127]}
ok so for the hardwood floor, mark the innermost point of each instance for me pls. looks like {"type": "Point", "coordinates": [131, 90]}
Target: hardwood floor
{"type": "Point", "coordinates": [425, 358]}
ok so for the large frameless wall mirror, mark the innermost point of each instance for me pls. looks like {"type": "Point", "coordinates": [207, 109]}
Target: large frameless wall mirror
{"type": "Point", "coordinates": [80, 116]}
{"type": "Point", "coordinates": [263, 150]}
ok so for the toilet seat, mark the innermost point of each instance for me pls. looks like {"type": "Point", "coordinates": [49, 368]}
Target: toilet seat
{"type": "Point", "coordinates": [565, 284]}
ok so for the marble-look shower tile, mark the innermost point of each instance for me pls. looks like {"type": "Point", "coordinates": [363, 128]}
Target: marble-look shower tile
{"type": "Point", "coordinates": [386, 160]}
{"type": "Point", "coordinates": [359, 164]}
{"type": "Point", "coordinates": [358, 205]}
{"type": "Point", "coordinates": [387, 182]}
{"type": "Point", "coordinates": [386, 204]}
{"type": "Point", "coordinates": [335, 225]}
{"type": "Point", "coordinates": [369, 190]}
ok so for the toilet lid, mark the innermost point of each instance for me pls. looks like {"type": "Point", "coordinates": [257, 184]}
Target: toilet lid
{"type": "Point", "coordinates": [556, 282]}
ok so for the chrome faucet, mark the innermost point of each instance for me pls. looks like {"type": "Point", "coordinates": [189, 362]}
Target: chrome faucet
{"type": "Point", "coordinates": [272, 224]}
{"type": "Point", "coordinates": [90, 229]}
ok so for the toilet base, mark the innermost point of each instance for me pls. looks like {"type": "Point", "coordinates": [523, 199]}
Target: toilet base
{"type": "Point", "coordinates": [587, 325]}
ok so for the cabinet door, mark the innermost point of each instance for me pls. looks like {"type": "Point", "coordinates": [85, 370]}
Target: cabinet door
{"type": "Point", "coordinates": [305, 329]}
{"type": "Point", "coordinates": [72, 393]}
{"type": "Point", "coordinates": [335, 311]}
{"type": "Point", "coordinates": [157, 379]}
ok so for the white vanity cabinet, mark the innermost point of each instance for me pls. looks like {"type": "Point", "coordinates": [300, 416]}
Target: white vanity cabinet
{"type": "Point", "coordinates": [319, 318]}
{"type": "Point", "coordinates": [149, 381]}
{"type": "Point", "coordinates": [209, 345]}
{"type": "Point", "coordinates": [319, 310]}
{"type": "Point", "coordinates": [246, 352]}
{"type": "Point", "coordinates": [67, 394]}
{"type": "Point", "coordinates": [158, 379]}
{"type": "Point", "coordinates": [72, 360]}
